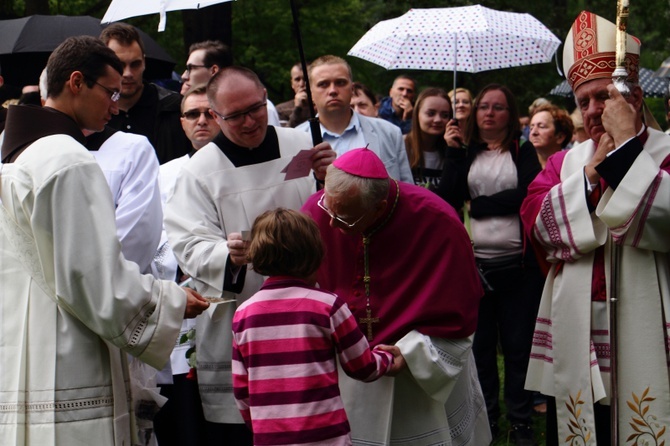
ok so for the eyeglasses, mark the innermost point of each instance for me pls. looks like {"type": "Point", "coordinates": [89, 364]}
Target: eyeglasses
{"type": "Point", "coordinates": [254, 112]}
{"type": "Point", "coordinates": [194, 115]}
{"type": "Point", "coordinates": [495, 107]}
{"type": "Point", "coordinates": [114, 95]}
{"type": "Point", "coordinates": [190, 67]}
{"type": "Point", "coordinates": [335, 217]}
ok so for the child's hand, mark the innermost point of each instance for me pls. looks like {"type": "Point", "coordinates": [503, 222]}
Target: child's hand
{"type": "Point", "coordinates": [398, 360]}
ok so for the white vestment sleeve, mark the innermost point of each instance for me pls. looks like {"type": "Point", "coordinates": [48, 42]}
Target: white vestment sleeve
{"type": "Point", "coordinates": [139, 214]}
{"type": "Point", "coordinates": [81, 256]}
{"type": "Point", "coordinates": [195, 234]}
{"type": "Point", "coordinates": [639, 210]}
{"type": "Point", "coordinates": [435, 363]}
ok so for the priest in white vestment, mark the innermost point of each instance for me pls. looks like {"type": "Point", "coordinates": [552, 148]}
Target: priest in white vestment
{"type": "Point", "coordinates": [180, 420]}
{"type": "Point", "coordinates": [608, 196]}
{"type": "Point", "coordinates": [69, 301]}
{"type": "Point", "coordinates": [218, 194]}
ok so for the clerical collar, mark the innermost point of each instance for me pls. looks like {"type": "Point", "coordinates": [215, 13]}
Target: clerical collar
{"type": "Point", "coordinates": [27, 123]}
{"type": "Point", "coordinates": [240, 156]}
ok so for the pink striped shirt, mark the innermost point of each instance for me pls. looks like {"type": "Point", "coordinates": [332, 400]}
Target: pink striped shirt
{"type": "Point", "coordinates": [285, 340]}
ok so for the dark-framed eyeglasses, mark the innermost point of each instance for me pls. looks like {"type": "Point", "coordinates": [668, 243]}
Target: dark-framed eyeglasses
{"type": "Point", "coordinates": [194, 115]}
{"type": "Point", "coordinates": [254, 112]}
{"type": "Point", "coordinates": [190, 67]}
{"type": "Point", "coordinates": [114, 95]}
{"type": "Point", "coordinates": [335, 217]}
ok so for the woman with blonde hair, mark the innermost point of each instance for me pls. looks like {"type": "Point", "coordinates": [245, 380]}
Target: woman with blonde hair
{"type": "Point", "coordinates": [462, 105]}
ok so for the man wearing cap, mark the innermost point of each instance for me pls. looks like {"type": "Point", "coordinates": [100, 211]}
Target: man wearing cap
{"type": "Point", "coordinates": [612, 187]}
{"type": "Point", "coordinates": [407, 285]}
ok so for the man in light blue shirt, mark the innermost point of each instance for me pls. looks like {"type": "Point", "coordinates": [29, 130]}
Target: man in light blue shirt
{"type": "Point", "coordinates": [345, 129]}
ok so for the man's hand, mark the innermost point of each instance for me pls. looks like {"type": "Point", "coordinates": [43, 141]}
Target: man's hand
{"type": "Point", "coordinates": [619, 117]}
{"type": "Point", "coordinates": [195, 303]}
{"type": "Point", "coordinates": [322, 157]}
{"type": "Point", "coordinates": [398, 359]}
{"type": "Point", "coordinates": [300, 99]}
{"type": "Point", "coordinates": [605, 146]}
{"type": "Point", "coordinates": [406, 106]}
{"type": "Point", "coordinates": [237, 248]}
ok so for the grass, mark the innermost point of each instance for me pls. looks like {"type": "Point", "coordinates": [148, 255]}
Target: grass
{"type": "Point", "coordinates": [539, 422]}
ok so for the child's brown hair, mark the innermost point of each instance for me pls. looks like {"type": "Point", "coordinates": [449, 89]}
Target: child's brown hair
{"type": "Point", "coordinates": [285, 242]}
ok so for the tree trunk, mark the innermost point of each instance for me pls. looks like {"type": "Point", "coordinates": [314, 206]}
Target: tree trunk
{"type": "Point", "coordinates": [211, 23]}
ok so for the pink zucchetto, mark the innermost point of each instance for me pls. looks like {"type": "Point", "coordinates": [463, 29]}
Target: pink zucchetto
{"type": "Point", "coordinates": [589, 51]}
{"type": "Point", "coordinates": [362, 163]}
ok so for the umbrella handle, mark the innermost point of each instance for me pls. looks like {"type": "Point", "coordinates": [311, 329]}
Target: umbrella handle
{"type": "Point", "coordinates": [314, 126]}
{"type": "Point", "coordinates": [315, 130]}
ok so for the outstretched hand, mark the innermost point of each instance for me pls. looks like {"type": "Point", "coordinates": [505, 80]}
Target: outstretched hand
{"type": "Point", "coordinates": [398, 359]}
{"type": "Point", "coordinates": [195, 303]}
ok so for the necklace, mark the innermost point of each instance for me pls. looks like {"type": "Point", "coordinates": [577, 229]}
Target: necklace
{"type": "Point", "coordinates": [368, 319]}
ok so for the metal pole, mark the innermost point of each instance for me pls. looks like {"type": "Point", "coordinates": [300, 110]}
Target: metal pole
{"type": "Point", "coordinates": [619, 77]}
{"type": "Point", "coordinates": [614, 350]}
{"type": "Point", "coordinates": [314, 126]}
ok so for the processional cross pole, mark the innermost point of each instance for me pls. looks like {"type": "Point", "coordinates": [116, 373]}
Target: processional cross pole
{"type": "Point", "coordinates": [619, 77]}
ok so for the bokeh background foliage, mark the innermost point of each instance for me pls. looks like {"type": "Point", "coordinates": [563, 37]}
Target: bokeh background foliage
{"type": "Point", "coordinates": [262, 36]}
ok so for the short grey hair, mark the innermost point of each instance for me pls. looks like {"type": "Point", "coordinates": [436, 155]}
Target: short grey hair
{"type": "Point", "coordinates": [369, 191]}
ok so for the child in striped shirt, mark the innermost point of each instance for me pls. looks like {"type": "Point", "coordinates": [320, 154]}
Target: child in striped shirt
{"type": "Point", "coordinates": [287, 336]}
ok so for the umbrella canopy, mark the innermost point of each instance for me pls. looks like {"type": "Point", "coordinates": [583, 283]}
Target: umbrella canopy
{"type": "Point", "coordinates": [468, 38]}
{"type": "Point", "coordinates": [664, 69]}
{"type": "Point", "coordinates": [122, 9]}
{"type": "Point", "coordinates": [652, 85]}
{"type": "Point", "coordinates": [26, 43]}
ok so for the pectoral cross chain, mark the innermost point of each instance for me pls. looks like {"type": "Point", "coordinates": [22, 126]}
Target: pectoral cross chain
{"type": "Point", "coordinates": [369, 320]}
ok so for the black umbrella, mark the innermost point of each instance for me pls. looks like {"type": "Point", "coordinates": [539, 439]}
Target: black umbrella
{"type": "Point", "coordinates": [652, 85]}
{"type": "Point", "coordinates": [26, 43]}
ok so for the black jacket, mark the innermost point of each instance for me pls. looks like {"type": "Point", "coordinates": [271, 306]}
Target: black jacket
{"type": "Point", "coordinates": [454, 183]}
{"type": "Point", "coordinates": [156, 116]}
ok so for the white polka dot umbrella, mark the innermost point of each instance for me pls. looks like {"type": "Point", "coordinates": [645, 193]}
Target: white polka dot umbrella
{"type": "Point", "coordinates": [469, 39]}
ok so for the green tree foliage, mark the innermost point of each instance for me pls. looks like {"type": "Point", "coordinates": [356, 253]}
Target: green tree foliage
{"type": "Point", "coordinates": [264, 37]}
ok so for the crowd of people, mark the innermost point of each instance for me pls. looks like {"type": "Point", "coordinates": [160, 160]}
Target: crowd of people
{"type": "Point", "coordinates": [169, 279]}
